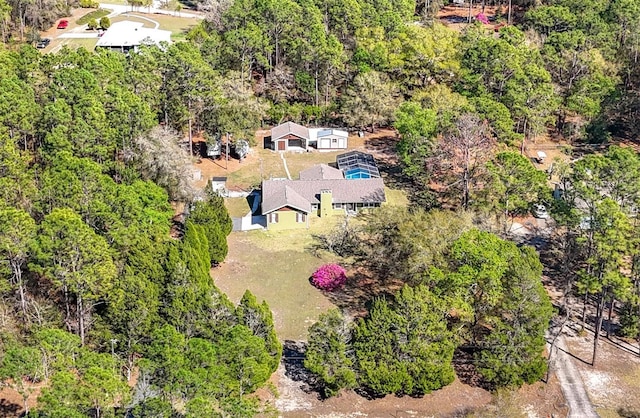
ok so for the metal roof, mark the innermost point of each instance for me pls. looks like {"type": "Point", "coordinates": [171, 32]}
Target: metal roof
{"type": "Point", "coordinates": [357, 160]}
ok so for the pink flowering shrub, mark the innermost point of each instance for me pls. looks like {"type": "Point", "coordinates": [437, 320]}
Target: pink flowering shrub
{"type": "Point", "coordinates": [329, 277]}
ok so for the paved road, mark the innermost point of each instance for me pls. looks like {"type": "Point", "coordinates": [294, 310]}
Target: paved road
{"type": "Point", "coordinates": [121, 9]}
{"type": "Point", "coordinates": [571, 382]}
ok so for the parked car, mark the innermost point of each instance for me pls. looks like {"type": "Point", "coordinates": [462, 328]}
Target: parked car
{"type": "Point", "coordinates": [63, 24]}
{"type": "Point", "coordinates": [43, 43]}
{"type": "Point", "coordinates": [540, 211]}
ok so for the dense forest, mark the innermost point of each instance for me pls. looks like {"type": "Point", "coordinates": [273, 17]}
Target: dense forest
{"type": "Point", "coordinates": [98, 289]}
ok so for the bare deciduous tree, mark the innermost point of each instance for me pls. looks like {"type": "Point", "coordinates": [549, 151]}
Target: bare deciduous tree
{"type": "Point", "coordinates": [165, 162]}
{"type": "Point", "coordinates": [214, 10]}
{"type": "Point", "coordinates": [461, 156]}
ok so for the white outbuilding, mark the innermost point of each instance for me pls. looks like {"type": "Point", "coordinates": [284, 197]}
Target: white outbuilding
{"type": "Point", "coordinates": [328, 139]}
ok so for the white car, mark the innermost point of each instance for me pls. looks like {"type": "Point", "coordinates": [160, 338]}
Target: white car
{"type": "Point", "coordinates": [540, 211]}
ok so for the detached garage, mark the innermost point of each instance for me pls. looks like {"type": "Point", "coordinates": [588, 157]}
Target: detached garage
{"type": "Point", "coordinates": [328, 139]}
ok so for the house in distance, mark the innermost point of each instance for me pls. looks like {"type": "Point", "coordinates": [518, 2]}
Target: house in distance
{"type": "Point", "coordinates": [321, 191]}
{"type": "Point", "coordinates": [127, 35]}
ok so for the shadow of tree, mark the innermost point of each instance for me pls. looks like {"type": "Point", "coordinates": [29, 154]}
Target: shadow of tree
{"type": "Point", "coordinates": [293, 355]}
{"type": "Point", "coordinates": [465, 366]}
{"type": "Point", "coordinates": [9, 409]}
{"type": "Point", "coordinates": [359, 290]}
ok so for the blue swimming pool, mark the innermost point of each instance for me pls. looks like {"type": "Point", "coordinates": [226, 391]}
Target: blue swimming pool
{"type": "Point", "coordinates": [357, 174]}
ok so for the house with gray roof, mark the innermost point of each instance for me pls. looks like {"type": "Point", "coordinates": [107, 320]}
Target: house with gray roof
{"type": "Point", "coordinates": [321, 191]}
{"type": "Point", "coordinates": [289, 136]}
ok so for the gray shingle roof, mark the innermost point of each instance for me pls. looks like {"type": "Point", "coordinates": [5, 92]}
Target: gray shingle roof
{"type": "Point", "coordinates": [280, 193]}
{"type": "Point", "coordinates": [321, 172]}
{"type": "Point", "coordinates": [289, 128]}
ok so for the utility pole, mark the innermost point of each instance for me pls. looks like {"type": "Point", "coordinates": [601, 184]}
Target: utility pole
{"type": "Point", "coordinates": [226, 166]}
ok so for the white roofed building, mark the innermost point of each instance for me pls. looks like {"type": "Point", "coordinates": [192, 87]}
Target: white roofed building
{"type": "Point", "coordinates": [127, 35]}
{"type": "Point", "coordinates": [328, 138]}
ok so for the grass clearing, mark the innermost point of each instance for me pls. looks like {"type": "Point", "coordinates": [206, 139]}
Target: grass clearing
{"type": "Point", "coordinates": [276, 267]}
{"type": "Point", "coordinates": [265, 164]}
{"type": "Point", "coordinates": [88, 43]}
{"type": "Point", "coordinates": [130, 17]}
{"type": "Point", "coordinates": [178, 26]}
{"type": "Point", "coordinates": [74, 43]}
{"type": "Point", "coordinates": [96, 14]}
{"type": "Point", "coordinates": [301, 161]}
{"type": "Point", "coordinates": [396, 197]}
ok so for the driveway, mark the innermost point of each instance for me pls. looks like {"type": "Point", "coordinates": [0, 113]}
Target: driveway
{"type": "Point", "coordinates": [573, 388]}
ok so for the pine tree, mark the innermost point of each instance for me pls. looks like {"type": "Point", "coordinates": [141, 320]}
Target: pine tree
{"type": "Point", "coordinates": [259, 319]}
{"type": "Point", "coordinates": [212, 215]}
{"type": "Point", "coordinates": [329, 354]}
{"type": "Point", "coordinates": [405, 346]}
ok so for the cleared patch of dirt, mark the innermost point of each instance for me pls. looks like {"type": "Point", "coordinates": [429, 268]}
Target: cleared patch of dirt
{"type": "Point", "coordinates": [456, 17]}
{"type": "Point", "coordinates": [11, 404]}
{"type": "Point", "coordinates": [542, 399]}
{"type": "Point", "coordinates": [452, 400]}
{"type": "Point", "coordinates": [614, 382]}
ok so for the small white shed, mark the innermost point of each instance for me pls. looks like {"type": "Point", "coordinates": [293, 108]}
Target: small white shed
{"type": "Point", "coordinates": [328, 139]}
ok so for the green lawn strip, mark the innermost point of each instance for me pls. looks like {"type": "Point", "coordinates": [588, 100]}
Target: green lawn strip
{"type": "Point", "coordinates": [262, 164]}
{"type": "Point", "coordinates": [178, 26]}
{"type": "Point", "coordinates": [237, 206]}
{"type": "Point", "coordinates": [301, 161]}
{"type": "Point", "coordinates": [266, 164]}
{"type": "Point", "coordinates": [96, 14]}
{"type": "Point", "coordinates": [87, 43]}
{"type": "Point", "coordinates": [74, 43]}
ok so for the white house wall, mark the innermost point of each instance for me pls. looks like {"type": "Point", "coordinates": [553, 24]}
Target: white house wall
{"type": "Point", "coordinates": [327, 142]}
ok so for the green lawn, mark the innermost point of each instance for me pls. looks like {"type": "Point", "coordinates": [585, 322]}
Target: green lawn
{"type": "Point", "coordinates": [265, 164]}
{"type": "Point", "coordinates": [131, 17]}
{"type": "Point", "coordinates": [276, 267]}
{"type": "Point", "coordinates": [88, 43]}
{"type": "Point", "coordinates": [396, 197]}
{"type": "Point", "coordinates": [178, 26]}
{"type": "Point", "coordinates": [94, 14]}
{"type": "Point", "coordinates": [302, 161]}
